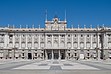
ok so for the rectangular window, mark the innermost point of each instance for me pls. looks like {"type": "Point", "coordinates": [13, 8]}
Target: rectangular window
{"type": "Point", "coordinates": [69, 54]}
{"type": "Point", "coordinates": [87, 54]}
{"type": "Point", "coordinates": [35, 54]}
{"type": "Point", "coordinates": [75, 54]}
{"type": "Point", "coordinates": [22, 54]}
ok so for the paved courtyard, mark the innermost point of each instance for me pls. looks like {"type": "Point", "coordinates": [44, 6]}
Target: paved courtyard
{"type": "Point", "coordinates": [55, 66]}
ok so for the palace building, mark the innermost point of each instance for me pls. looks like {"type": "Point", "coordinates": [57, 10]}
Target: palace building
{"type": "Point", "coordinates": [55, 41]}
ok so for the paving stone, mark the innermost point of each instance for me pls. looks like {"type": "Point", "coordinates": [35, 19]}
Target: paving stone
{"type": "Point", "coordinates": [55, 68]}
{"type": "Point", "coordinates": [55, 62]}
{"type": "Point", "coordinates": [42, 64]}
{"type": "Point", "coordinates": [68, 65]}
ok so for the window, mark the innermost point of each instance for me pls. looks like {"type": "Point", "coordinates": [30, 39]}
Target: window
{"type": "Point", "coordinates": [35, 54]}
{"type": "Point", "coordinates": [69, 54]}
{"type": "Point", "coordinates": [94, 35]}
{"type": "Point", "coordinates": [87, 35]}
{"type": "Point", "coordinates": [75, 35]}
{"type": "Point", "coordinates": [87, 54]}
{"type": "Point", "coordinates": [68, 35]}
{"type": "Point", "coordinates": [75, 54]}
{"type": "Point", "coordinates": [62, 35]}
{"type": "Point", "coordinates": [81, 35]}
{"type": "Point", "coordinates": [22, 54]}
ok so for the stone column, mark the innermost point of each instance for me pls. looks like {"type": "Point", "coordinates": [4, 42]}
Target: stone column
{"type": "Point", "coordinates": [98, 45]}
{"type": "Point", "coordinates": [32, 41]}
{"type": "Point", "coordinates": [52, 55]}
{"type": "Point", "coordinates": [78, 42]}
{"type": "Point", "coordinates": [13, 47]}
{"type": "Point", "coordinates": [46, 55]}
{"type": "Point", "coordinates": [6, 52]}
{"type": "Point", "coordinates": [105, 41]}
{"type": "Point", "coordinates": [6, 40]}
{"type": "Point", "coordinates": [84, 41]}
{"type": "Point", "coordinates": [59, 55]}
{"type": "Point", "coordinates": [52, 41]}
{"type": "Point", "coordinates": [91, 42]}
{"type": "Point", "coordinates": [72, 42]}
{"type": "Point", "coordinates": [59, 41]}
{"type": "Point", "coordinates": [45, 40]}
{"type": "Point", "coordinates": [13, 41]}
{"type": "Point", "coordinates": [39, 41]}
{"type": "Point", "coordinates": [66, 41]}
{"type": "Point", "coordinates": [26, 40]}
{"type": "Point", "coordinates": [20, 42]}
{"type": "Point", "coordinates": [105, 46]}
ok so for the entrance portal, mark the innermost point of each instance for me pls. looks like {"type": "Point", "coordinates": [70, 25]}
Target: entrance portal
{"type": "Point", "coordinates": [29, 55]}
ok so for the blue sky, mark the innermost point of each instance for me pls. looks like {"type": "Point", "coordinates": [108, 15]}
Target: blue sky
{"type": "Point", "coordinates": [33, 12]}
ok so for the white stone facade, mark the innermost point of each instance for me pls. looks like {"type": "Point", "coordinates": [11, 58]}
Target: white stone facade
{"type": "Point", "coordinates": [55, 41]}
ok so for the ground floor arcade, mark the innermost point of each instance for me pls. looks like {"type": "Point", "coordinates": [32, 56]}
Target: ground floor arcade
{"type": "Point", "coordinates": [49, 54]}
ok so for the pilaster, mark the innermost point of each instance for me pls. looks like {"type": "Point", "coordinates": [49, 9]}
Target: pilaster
{"type": "Point", "coordinates": [45, 40]}
{"type": "Point", "coordinates": [20, 42]}
{"type": "Point", "coordinates": [32, 41]}
{"type": "Point", "coordinates": [52, 40]}
{"type": "Point", "coordinates": [78, 41]}
{"type": "Point", "coordinates": [66, 41]}
{"type": "Point", "coordinates": [26, 41]}
{"type": "Point", "coordinates": [39, 41]}
{"type": "Point", "coordinates": [59, 55]}
{"type": "Point", "coordinates": [13, 40]}
{"type": "Point", "coordinates": [91, 42]}
{"type": "Point", "coordinates": [52, 55]}
{"type": "Point", "coordinates": [6, 40]}
{"type": "Point", "coordinates": [59, 41]}
{"type": "Point", "coordinates": [72, 42]}
{"type": "Point", "coordinates": [84, 41]}
{"type": "Point", "coordinates": [98, 41]}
